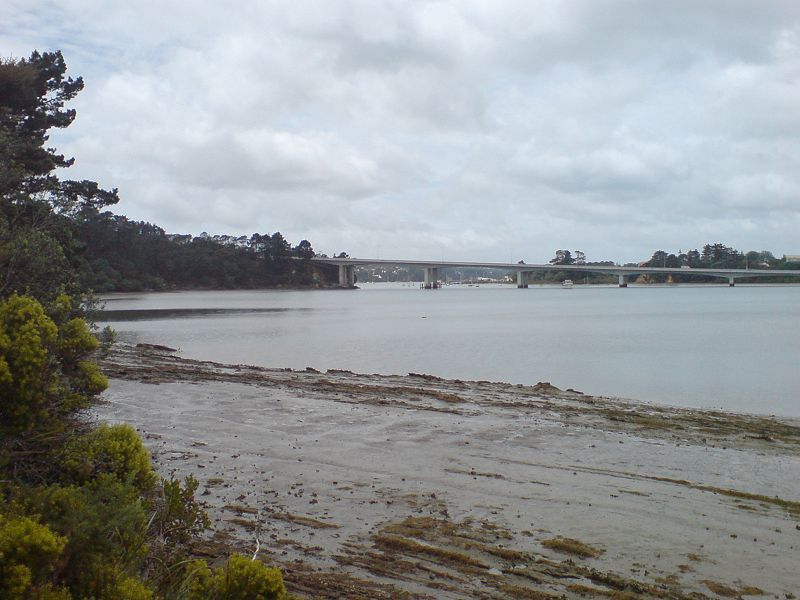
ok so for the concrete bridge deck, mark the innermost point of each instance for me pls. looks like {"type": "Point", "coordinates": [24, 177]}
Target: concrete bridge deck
{"type": "Point", "coordinates": [431, 269]}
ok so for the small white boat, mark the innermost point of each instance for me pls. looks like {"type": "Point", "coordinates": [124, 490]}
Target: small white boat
{"type": "Point", "coordinates": [567, 283]}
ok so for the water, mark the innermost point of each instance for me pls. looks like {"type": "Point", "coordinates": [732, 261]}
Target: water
{"type": "Point", "coordinates": [698, 346]}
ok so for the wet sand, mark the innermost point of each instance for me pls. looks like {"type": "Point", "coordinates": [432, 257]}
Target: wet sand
{"type": "Point", "coordinates": [372, 486]}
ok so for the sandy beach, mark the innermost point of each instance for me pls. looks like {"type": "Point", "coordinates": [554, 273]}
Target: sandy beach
{"type": "Point", "coordinates": [375, 486]}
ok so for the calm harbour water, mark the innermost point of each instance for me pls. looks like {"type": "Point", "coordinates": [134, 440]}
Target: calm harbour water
{"type": "Point", "coordinates": [699, 346]}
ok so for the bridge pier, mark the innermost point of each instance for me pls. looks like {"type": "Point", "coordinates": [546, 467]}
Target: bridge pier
{"type": "Point", "coordinates": [522, 279]}
{"type": "Point", "coordinates": [730, 282]}
{"type": "Point", "coordinates": [347, 276]}
{"type": "Point", "coordinates": [622, 282]}
{"type": "Point", "coordinates": [431, 278]}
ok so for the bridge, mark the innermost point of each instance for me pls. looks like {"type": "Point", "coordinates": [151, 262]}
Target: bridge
{"type": "Point", "coordinates": [431, 269]}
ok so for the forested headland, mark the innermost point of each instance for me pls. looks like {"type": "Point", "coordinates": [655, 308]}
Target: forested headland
{"type": "Point", "coordinates": [79, 245]}
{"type": "Point", "coordinates": [116, 254]}
{"type": "Point", "coordinates": [83, 513]}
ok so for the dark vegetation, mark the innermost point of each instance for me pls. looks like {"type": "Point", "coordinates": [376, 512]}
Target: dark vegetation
{"type": "Point", "coordinates": [113, 253]}
{"type": "Point", "coordinates": [720, 256]}
{"type": "Point", "coordinates": [82, 512]}
{"type": "Point", "coordinates": [712, 256]}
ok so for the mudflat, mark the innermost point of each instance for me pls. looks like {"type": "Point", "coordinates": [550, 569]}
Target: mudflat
{"type": "Point", "coordinates": [372, 486]}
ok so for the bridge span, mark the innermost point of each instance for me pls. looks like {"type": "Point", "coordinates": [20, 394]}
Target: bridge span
{"type": "Point", "coordinates": [431, 269]}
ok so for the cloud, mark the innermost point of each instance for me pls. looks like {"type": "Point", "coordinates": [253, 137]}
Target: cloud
{"type": "Point", "coordinates": [471, 129]}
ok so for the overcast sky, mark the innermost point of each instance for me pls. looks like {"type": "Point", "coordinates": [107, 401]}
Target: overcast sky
{"type": "Point", "coordinates": [469, 130]}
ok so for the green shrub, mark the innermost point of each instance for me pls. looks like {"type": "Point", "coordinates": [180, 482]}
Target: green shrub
{"type": "Point", "coordinates": [28, 551]}
{"type": "Point", "coordinates": [176, 520]}
{"type": "Point", "coordinates": [114, 450]}
{"type": "Point", "coordinates": [49, 592]}
{"type": "Point", "coordinates": [107, 338]}
{"type": "Point", "coordinates": [178, 516]}
{"type": "Point", "coordinates": [75, 341]}
{"type": "Point", "coordinates": [104, 523]}
{"type": "Point", "coordinates": [27, 337]}
{"type": "Point", "coordinates": [43, 371]}
{"type": "Point", "coordinates": [88, 380]}
{"type": "Point", "coordinates": [108, 582]}
{"type": "Point", "coordinates": [240, 579]}
{"type": "Point", "coordinates": [199, 583]}
{"type": "Point", "coordinates": [246, 579]}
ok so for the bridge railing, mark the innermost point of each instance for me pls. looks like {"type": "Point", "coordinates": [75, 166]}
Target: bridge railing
{"type": "Point", "coordinates": [617, 270]}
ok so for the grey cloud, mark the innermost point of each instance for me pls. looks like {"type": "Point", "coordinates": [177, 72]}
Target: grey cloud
{"type": "Point", "coordinates": [470, 129]}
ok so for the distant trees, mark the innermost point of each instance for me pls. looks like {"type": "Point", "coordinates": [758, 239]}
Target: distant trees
{"type": "Point", "coordinates": [693, 258]}
{"type": "Point", "coordinates": [663, 259]}
{"type": "Point", "coordinates": [118, 254]}
{"type": "Point", "coordinates": [577, 258]}
{"type": "Point", "coordinates": [721, 256]}
{"type": "Point", "coordinates": [563, 257]}
{"type": "Point", "coordinates": [303, 250]}
{"type": "Point", "coordinates": [716, 256]}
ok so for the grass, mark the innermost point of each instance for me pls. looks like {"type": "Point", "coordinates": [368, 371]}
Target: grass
{"type": "Point", "coordinates": [791, 506]}
{"type": "Point", "coordinates": [504, 553]}
{"type": "Point", "coordinates": [523, 593]}
{"type": "Point", "coordinates": [572, 546]}
{"type": "Point", "coordinates": [246, 523]}
{"type": "Point", "coordinates": [307, 521]}
{"type": "Point", "coordinates": [720, 589]}
{"type": "Point", "coordinates": [239, 508]}
{"type": "Point", "coordinates": [592, 592]}
{"type": "Point", "coordinates": [453, 558]}
{"type": "Point", "coordinates": [694, 557]}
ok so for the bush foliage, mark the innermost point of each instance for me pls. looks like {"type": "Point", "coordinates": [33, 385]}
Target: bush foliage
{"type": "Point", "coordinates": [240, 579]}
{"type": "Point", "coordinates": [98, 523]}
{"type": "Point", "coordinates": [110, 450]}
{"type": "Point", "coordinates": [43, 372]}
{"type": "Point", "coordinates": [28, 551]}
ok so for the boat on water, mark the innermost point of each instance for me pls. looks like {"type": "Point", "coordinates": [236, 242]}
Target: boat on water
{"type": "Point", "coordinates": [567, 283]}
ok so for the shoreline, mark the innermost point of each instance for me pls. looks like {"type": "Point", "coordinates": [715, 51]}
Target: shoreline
{"type": "Point", "coordinates": [415, 284]}
{"type": "Point", "coordinates": [373, 486]}
{"type": "Point", "coordinates": [290, 288]}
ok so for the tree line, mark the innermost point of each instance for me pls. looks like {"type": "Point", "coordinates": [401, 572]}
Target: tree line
{"type": "Point", "coordinates": [117, 254]}
{"type": "Point", "coordinates": [711, 256]}
{"type": "Point", "coordinates": [719, 256]}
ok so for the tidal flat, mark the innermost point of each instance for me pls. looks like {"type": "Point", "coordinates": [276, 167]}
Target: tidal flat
{"type": "Point", "coordinates": [375, 486]}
